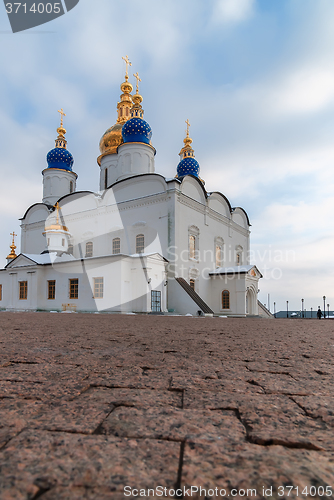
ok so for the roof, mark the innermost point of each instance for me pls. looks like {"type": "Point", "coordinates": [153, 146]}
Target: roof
{"type": "Point", "coordinates": [234, 270]}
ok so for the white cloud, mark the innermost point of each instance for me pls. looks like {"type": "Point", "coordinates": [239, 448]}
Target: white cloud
{"type": "Point", "coordinates": [233, 11]}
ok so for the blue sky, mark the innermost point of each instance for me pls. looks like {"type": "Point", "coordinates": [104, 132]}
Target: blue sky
{"type": "Point", "coordinates": [254, 77]}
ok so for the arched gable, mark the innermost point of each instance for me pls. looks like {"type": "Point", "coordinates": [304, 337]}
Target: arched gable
{"type": "Point", "coordinates": [80, 201]}
{"type": "Point", "coordinates": [219, 203]}
{"type": "Point", "coordinates": [36, 213]}
{"type": "Point", "coordinates": [134, 187]}
{"type": "Point", "coordinates": [193, 187]}
{"type": "Point", "coordinates": [240, 217]}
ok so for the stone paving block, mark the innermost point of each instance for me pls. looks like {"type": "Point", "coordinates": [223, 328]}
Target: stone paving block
{"type": "Point", "coordinates": [126, 379]}
{"type": "Point", "coordinates": [132, 397]}
{"type": "Point", "coordinates": [285, 384]}
{"type": "Point", "coordinates": [278, 420]}
{"type": "Point", "coordinates": [42, 391]}
{"type": "Point", "coordinates": [174, 424]}
{"type": "Point", "coordinates": [210, 465]}
{"type": "Point", "coordinates": [27, 372]}
{"type": "Point", "coordinates": [46, 460]}
{"type": "Point", "coordinates": [196, 383]}
{"type": "Point", "coordinates": [318, 407]}
{"type": "Point", "coordinates": [210, 400]}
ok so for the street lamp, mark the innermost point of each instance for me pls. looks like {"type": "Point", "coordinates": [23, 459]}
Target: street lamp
{"type": "Point", "coordinates": [328, 311]}
{"type": "Point", "coordinates": [324, 299]}
{"type": "Point", "coordinates": [275, 309]}
{"type": "Point", "coordinates": [311, 312]}
{"type": "Point", "coordinates": [302, 308]}
{"type": "Point", "coordinates": [287, 308]}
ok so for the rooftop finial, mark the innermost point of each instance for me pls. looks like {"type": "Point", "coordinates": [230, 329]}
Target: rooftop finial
{"type": "Point", "coordinates": [127, 62]}
{"type": "Point", "coordinates": [12, 254]}
{"type": "Point", "coordinates": [62, 117]}
{"type": "Point", "coordinates": [188, 125]}
{"type": "Point", "coordinates": [138, 80]}
{"type": "Point", "coordinates": [61, 141]}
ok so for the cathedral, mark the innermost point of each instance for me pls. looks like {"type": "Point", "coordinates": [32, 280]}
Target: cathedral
{"type": "Point", "coordinates": [142, 244]}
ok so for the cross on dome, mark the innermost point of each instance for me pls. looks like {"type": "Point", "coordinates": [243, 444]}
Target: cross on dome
{"type": "Point", "coordinates": [188, 125]}
{"type": "Point", "coordinates": [62, 117]}
{"type": "Point", "coordinates": [138, 80]}
{"type": "Point", "coordinates": [127, 63]}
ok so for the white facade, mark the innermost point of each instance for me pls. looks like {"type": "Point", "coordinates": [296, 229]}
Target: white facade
{"type": "Point", "coordinates": [129, 241]}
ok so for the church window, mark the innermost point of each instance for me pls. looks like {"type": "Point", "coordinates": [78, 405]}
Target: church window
{"type": "Point", "coordinates": [70, 249]}
{"type": "Point", "coordinates": [0, 292]}
{"type": "Point", "coordinates": [48, 241]}
{"type": "Point", "coordinates": [140, 243]}
{"type": "Point", "coordinates": [116, 245]}
{"type": "Point", "coordinates": [226, 299]}
{"type": "Point", "coordinates": [51, 289]}
{"type": "Point", "coordinates": [192, 246]}
{"type": "Point", "coordinates": [105, 178]}
{"type": "Point", "coordinates": [63, 242]}
{"type": "Point", "coordinates": [192, 284]}
{"type": "Point", "coordinates": [71, 186]}
{"type": "Point", "coordinates": [193, 242]}
{"type": "Point", "coordinates": [74, 288]}
{"type": "Point", "coordinates": [218, 255]}
{"type": "Point", "coordinates": [23, 289]}
{"type": "Point", "coordinates": [89, 249]}
{"type": "Point", "coordinates": [239, 251]}
{"type": "Point", "coordinates": [98, 288]}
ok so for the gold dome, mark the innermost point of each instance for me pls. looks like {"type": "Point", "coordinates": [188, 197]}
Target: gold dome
{"type": "Point", "coordinates": [111, 139]}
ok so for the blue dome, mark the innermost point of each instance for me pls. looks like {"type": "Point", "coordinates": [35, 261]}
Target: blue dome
{"type": "Point", "coordinates": [136, 130]}
{"type": "Point", "coordinates": [188, 166]}
{"type": "Point", "coordinates": [60, 158]}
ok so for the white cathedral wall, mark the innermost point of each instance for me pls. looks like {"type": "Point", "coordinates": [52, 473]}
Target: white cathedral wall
{"type": "Point", "coordinates": [192, 216]}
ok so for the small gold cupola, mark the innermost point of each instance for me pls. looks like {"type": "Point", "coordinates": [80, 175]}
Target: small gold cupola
{"type": "Point", "coordinates": [112, 138]}
{"type": "Point", "coordinates": [12, 254]}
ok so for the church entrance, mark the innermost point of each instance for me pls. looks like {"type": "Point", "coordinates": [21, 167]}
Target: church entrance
{"type": "Point", "coordinates": [155, 301]}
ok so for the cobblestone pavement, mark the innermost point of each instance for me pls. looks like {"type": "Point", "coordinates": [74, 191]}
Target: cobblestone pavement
{"type": "Point", "coordinates": [90, 404]}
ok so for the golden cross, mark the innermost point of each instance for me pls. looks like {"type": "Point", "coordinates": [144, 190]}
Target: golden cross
{"type": "Point", "coordinates": [13, 234]}
{"type": "Point", "coordinates": [138, 80]}
{"type": "Point", "coordinates": [127, 62]}
{"type": "Point", "coordinates": [188, 125]}
{"type": "Point", "coordinates": [62, 116]}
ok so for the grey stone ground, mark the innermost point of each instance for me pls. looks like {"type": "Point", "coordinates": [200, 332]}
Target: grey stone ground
{"type": "Point", "coordinates": [92, 403]}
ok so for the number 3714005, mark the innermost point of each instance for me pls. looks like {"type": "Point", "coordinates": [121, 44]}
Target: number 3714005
{"type": "Point", "coordinates": [36, 8]}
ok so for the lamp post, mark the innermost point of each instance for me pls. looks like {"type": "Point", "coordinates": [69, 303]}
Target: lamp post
{"type": "Point", "coordinates": [327, 311]}
{"type": "Point", "coordinates": [324, 299]}
{"type": "Point", "coordinates": [287, 308]}
{"type": "Point", "coordinates": [302, 308]}
{"type": "Point", "coordinates": [311, 312]}
{"type": "Point", "coordinates": [275, 309]}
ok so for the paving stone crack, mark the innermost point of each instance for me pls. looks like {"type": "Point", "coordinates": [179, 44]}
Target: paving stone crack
{"type": "Point", "coordinates": [178, 485]}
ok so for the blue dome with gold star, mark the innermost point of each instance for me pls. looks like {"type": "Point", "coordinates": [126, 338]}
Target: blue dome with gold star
{"type": "Point", "coordinates": [136, 130]}
{"type": "Point", "coordinates": [188, 166]}
{"type": "Point", "coordinates": [60, 158]}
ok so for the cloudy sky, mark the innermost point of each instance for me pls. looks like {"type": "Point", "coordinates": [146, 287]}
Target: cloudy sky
{"type": "Point", "coordinates": [254, 77]}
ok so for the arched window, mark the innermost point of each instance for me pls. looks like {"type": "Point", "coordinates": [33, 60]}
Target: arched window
{"type": "Point", "coordinates": [70, 249]}
{"type": "Point", "coordinates": [225, 299]}
{"type": "Point", "coordinates": [71, 187]}
{"type": "Point", "coordinates": [192, 284]}
{"type": "Point", "coordinates": [89, 249]}
{"type": "Point", "coordinates": [193, 242]}
{"type": "Point", "coordinates": [192, 246]}
{"type": "Point", "coordinates": [116, 245]}
{"type": "Point", "coordinates": [239, 254]}
{"type": "Point", "coordinates": [219, 251]}
{"type": "Point", "coordinates": [140, 243]}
